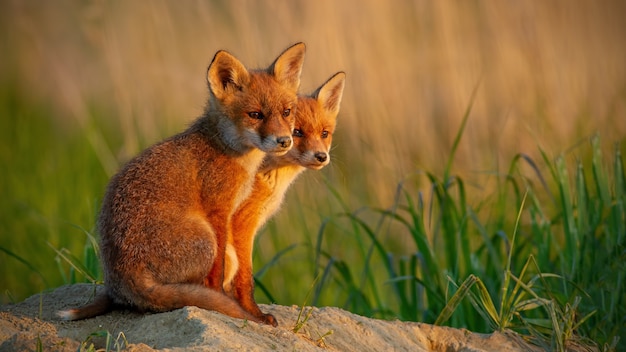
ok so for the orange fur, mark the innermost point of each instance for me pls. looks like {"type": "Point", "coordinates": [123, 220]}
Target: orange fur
{"type": "Point", "coordinates": [165, 217]}
{"type": "Point", "coordinates": [315, 123]}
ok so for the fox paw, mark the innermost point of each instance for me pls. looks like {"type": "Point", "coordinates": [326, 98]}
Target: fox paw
{"type": "Point", "coordinates": [269, 320]}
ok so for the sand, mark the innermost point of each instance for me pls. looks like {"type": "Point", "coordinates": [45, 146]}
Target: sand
{"type": "Point", "coordinates": [32, 323]}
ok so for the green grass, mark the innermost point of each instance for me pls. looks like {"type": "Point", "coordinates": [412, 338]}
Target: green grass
{"type": "Point", "coordinates": [543, 255]}
{"type": "Point", "coordinates": [415, 218]}
{"type": "Point", "coordinates": [50, 192]}
{"type": "Point", "coordinates": [539, 248]}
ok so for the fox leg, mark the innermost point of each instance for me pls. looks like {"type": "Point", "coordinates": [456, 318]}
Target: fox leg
{"type": "Point", "coordinates": [239, 281]}
{"type": "Point", "coordinates": [243, 281]}
{"type": "Point", "coordinates": [215, 278]}
{"type": "Point", "coordinates": [231, 266]}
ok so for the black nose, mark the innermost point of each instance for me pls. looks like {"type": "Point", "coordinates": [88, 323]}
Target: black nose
{"type": "Point", "coordinates": [284, 142]}
{"type": "Point", "coordinates": [321, 157]}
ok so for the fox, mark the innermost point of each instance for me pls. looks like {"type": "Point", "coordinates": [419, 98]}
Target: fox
{"type": "Point", "coordinates": [165, 217]}
{"type": "Point", "coordinates": [316, 118]}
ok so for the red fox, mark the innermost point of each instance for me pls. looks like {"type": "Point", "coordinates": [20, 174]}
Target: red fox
{"type": "Point", "coordinates": [165, 216]}
{"type": "Point", "coordinates": [316, 117]}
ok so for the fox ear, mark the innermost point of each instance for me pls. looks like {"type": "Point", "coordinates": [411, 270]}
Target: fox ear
{"type": "Point", "coordinates": [226, 74]}
{"type": "Point", "coordinates": [331, 92]}
{"type": "Point", "coordinates": [288, 66]}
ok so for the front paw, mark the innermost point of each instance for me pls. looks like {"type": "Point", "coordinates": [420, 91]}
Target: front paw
{"type": "Point", "coordinates": [269, 320]}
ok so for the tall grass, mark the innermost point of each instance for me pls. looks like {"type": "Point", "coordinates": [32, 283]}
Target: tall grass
{"type": "Point", "coordinates": [541, 256]}
{"type": "Point", "coordinates": [550, 72]}
{"type": "Point", "coordinates": [88, 85]}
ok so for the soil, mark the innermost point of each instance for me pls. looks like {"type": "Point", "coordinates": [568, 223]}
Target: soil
{"type": "Point", "coordinates": [32, 325]}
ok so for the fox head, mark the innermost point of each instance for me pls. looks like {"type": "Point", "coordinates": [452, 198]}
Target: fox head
{"type": "Point", "coordinates": [259, 104]}
{"type": "Point", "coordinates": [316, 118]}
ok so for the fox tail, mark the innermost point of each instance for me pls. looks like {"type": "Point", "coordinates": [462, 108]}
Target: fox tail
{"type": "Point", "coordinates": [164, 298]}
{"type": "Point", "coordinates": [101, 304]}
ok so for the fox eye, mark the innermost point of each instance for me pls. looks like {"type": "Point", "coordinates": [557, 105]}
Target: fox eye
{"type": "Point", "coordinates": [286, 112]}
{"type": "Point", "coordinates": [256, 115]}
{"type": "Point", "coordinates": [324, 134]}
{"type": "Point", "coordinates": [298, 133]}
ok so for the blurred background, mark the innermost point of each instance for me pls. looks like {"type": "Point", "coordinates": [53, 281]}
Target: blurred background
{"type": "Point", "coordinates": [86, 85]}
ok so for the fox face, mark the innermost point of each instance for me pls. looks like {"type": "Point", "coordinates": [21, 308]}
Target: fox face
{"type": "Point", "coordinates": [316, 118]}
{"type": "Point", "coordinates": [260, 104]}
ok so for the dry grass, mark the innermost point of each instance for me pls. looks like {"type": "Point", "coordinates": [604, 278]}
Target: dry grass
{"type": "Point", "coordinates": [548, 73]}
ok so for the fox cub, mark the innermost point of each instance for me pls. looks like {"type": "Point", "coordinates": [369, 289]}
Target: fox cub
{"type": "Point", "coordinates": [165, 216]}
{"type": "Point", "coordinates": [316, 117]}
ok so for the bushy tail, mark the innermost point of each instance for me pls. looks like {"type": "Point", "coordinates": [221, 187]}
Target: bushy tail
{"type": "Point", "coordinates": [101, 304]}
{"type": "Point", "coordinates": [162, 298]}
{"type": "Point", "coordinates": [172, 296]}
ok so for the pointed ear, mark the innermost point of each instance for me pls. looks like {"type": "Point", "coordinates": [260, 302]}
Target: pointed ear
{"type": "Point", "coordinates": [330, 93]}
{"type": "Point", "coordinates": [288, 66]}
{"type": "Point", "coordinates": [226, 74]}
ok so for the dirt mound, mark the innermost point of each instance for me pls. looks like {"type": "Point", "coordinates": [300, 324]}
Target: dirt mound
{"type": "Point", "coordinates": [32, 324]}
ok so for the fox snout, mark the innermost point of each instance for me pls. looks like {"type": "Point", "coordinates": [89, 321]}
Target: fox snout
{"type": "Point", "coordinates": [284, 142]}
{"type": "Point", "coordinates": [277, 145]}
{"type": "Point", "coordinates": [321, 157]}
{"type": "Point", "coordinates": [315, 160]}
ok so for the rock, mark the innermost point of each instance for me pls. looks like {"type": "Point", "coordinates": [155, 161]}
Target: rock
{"type": "Point", "coordinates": [32, 324]}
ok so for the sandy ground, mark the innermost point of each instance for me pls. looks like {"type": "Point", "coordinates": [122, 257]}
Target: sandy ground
{"type": "Point", "coordinates": [32, 324]}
